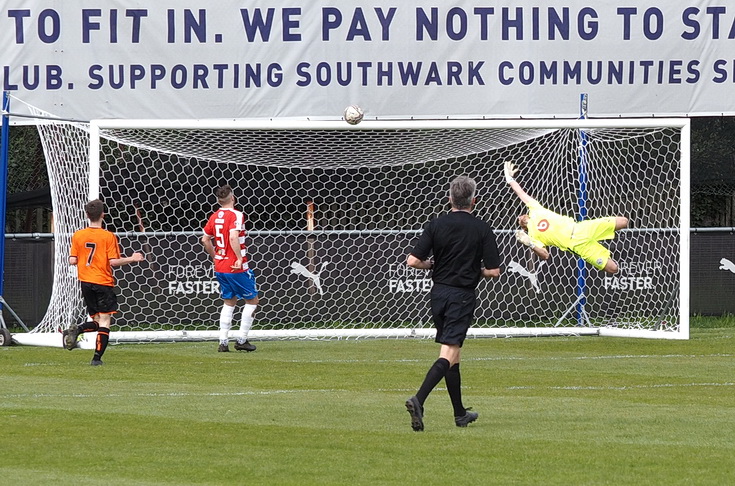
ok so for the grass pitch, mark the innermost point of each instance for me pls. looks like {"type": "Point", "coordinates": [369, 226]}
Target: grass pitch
{"type": "Point", "coordinates": [552, 411]}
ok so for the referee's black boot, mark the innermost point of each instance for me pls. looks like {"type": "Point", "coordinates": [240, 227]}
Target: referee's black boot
{"type": "Point", "coordinates": [466, 419]}
{"type": "Point", "coordinates": [416, 410]}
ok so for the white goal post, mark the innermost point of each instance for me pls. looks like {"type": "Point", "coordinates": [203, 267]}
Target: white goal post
{"type": "Point", "coordinates": [333, 210]}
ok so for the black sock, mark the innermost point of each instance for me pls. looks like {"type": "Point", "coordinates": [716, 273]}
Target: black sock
{"type": "Point", "coordinates": [433, 377]}
{"type": "Point", "coordinates": [89, 326]}
{"type": "Point", "coordinates": [103, 337]}
{"type": "Point", "coordinates": [454, 386]}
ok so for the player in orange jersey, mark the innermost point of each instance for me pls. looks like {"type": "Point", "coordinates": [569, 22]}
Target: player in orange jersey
{"type": "Point", "coordinates": [94, 251]}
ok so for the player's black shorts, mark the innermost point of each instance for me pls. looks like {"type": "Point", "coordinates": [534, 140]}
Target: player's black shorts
{"type": "Point", "coordinates": [100, 299]}
{"type": "Point", "coordinates": [452, 309]}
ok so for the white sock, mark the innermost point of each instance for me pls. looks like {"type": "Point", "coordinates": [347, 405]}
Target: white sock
{"type": "Point", "coordinates": [247, 322]}
{"type": "Point", "coordinates": [225, 322]}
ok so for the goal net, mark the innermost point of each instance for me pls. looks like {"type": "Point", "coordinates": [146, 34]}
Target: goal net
{"type": "Point", "coordinates": [333, 210]}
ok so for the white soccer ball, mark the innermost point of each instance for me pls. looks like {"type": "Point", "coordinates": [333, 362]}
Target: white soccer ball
{"type": "Point", "coordinates": [353, 114]}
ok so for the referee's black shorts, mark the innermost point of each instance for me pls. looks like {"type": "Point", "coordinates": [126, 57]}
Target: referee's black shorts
{"type": "Point", "coordinates": [453, 309]}
{"type": "Point", "coordinates": [100, 299]}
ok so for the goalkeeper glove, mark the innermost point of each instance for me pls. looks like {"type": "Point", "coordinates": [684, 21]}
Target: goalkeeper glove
{"type": "Point", "coordinates": [524, 239]}
{"type": "Point", "coordinates": [510, 170]}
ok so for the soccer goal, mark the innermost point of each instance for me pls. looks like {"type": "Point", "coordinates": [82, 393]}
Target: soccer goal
{"type": "Point", "coordinates": [333, 210]}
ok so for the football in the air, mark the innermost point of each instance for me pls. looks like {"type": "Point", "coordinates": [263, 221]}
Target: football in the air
{"type": "Point", "coordinates": [353, 114]}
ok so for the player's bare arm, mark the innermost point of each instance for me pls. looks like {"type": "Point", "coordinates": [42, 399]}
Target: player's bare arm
{"type": "Point", "coordinates": [135, 257]}
{"type": "Point", "coordinates": [208, 246]}
{"type": "Point", "coordinates": [541, 252]}
{"type": "Point", "coordinates": [490, 272]}
{"type": "Point", "coordinates": [510, 170]}
{"type": "Point", "coordinates": [73, 260]}
{"type": "Point", "coordinates": [414, 262]}
{"type": "Point", "coordinates": [235, 245]}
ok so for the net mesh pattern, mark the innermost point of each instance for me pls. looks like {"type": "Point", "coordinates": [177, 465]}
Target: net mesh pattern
{"type": "Point", "coordinates": [370, 192]}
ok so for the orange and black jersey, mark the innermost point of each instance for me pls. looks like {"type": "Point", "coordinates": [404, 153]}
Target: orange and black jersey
{"type": "Point", "coordinates": [94, 248]}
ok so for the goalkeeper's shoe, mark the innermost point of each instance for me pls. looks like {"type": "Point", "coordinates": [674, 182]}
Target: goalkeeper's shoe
{"type": "Point", "coordinates": [69, 337]}
{"type": "Point", "coordinates": [417, 413]}
{"type": "Point", "coordinates": [466, 419]}
{"type": "Point", "coordinates": [96, 362]}
{"type": "Point", "coordinates": [246, 346]}
{"type": "Point", "coordinates": [223, 348]}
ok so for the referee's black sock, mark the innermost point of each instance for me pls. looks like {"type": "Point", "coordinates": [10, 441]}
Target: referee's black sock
{"type": "Point", "coordinates": [437, 371]}
{"type": "Point", "coordinates": [103, 337]}
{"type": "Point", "coordinates": [454, 386]}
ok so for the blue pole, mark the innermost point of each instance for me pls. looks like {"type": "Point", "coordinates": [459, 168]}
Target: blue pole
{"type": "Point", "coordinates": [582, 203]}
{"type": "Point", "coordinates": [4, 141]}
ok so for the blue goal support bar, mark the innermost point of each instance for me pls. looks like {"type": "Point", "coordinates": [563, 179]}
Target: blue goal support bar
{"type": "Point", "coordinates": [582, 203]}
{"type": "Point", "coordinates": [4, 142]}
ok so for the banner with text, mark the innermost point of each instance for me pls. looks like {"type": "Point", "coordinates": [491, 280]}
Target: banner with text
{"type": "Point", "coordinates": [188, 59]}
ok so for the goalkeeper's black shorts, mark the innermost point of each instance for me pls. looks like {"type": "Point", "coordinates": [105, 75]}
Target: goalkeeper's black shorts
{"type": "Point", "coordinates": [452, 309]}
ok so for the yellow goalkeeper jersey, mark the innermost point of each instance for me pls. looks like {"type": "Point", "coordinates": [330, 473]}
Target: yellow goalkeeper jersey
{"type": "Point", "coordinates": [546, 228]}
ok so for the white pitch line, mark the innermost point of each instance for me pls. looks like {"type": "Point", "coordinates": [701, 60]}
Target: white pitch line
{"type": "Point", "coordinates": [520, 358]}
{"type": "Point", "coordinates": [623, 387]}
{"type": "Point", "coordinates": [171, 394]}
{"type": "Point", "coordinates": [339, 390]}
{"type": "Point", "coordinates": [619, 356]}
{"type": "Point", "coordinates": [481, 358]}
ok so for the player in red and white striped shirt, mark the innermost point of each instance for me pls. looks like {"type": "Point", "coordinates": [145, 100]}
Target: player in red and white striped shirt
{"type": "Point", "coordinates": [224, 241]}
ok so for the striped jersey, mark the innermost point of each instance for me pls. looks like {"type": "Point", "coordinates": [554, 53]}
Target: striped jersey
{"type": "Point", "coordinates": [218, 227]}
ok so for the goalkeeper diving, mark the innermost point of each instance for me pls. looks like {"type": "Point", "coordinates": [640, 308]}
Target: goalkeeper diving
{"type": "Point", "coordinates": [544, 228]}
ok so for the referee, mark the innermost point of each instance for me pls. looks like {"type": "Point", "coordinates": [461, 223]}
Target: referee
{"type": "Point", "coordinates": [459, 248]}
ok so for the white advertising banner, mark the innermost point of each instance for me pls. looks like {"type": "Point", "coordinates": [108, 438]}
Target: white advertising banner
{"type": "Point", "coordinates": [88, 59]}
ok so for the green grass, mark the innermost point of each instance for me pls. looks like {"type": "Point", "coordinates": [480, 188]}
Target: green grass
{"type": "Point", "coordinates": [552, 411]}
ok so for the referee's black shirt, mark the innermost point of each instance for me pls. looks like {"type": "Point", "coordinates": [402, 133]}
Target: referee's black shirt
{"type": "Point", "coordinates": [461, 244]}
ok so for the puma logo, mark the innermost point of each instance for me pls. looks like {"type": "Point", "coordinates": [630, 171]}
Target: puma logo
{"type": "Point", "coordinates": [531, 276]}
{"type": "Point", "coordinates": [726, 264]}
{"type": "Point", "coordinates": [299, 269]}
